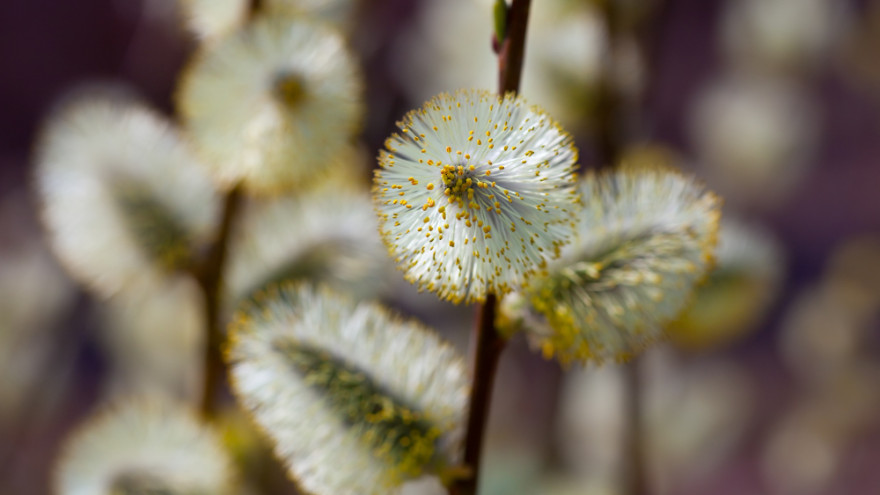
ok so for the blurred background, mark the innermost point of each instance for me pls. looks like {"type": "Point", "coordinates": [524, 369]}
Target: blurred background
{"type": "Point", "coordinates": [770, 383]}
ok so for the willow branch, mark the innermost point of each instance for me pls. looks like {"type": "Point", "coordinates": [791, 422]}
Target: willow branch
{"type": "Point", "coordinates": [634, 481]}
{"type": "Point", "coordinates": [487, 343]}
{"type": "Point", "coordinates": [210, 277]}
{"type": "Point", "coordinates": [487, 346]}
{"type": "Point", "coordinates": [512, 52]}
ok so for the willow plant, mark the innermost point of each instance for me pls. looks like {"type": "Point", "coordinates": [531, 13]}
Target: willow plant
{"type": "Point", "coordinates": [477, 199]}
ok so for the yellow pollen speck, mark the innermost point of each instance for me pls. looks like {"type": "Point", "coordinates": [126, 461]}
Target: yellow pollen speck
{"type": "Point", "coordinates": [430, 186]}
{"type": "Point", "coordinates": [449, 149]}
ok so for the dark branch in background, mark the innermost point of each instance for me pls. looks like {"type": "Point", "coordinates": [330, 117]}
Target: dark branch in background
{"type": "Point", "coordinates": [609, 115]}
{"type": "Point", "coordinates": [487, 343]}
{"type": "Point", "coordinates": [634, 472]}
{"type": "Point", "coordinates": [613, 115]}
{"type": "Point", "coordinates": [210, 278]}
{"type": "Point", "coordinates": [649, 36]}
{"type": "Point", "coordinates": [622, 121]}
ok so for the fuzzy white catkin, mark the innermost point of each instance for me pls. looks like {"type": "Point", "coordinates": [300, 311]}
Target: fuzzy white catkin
{"type": "Point", "coordinates": [99, 142]}
{"type": "Point", "coordinates": [272, 105]}
{"type": "Point", "coordinates": [328, 234]}
{"type": "Point", "coordinates": [151, 440]}
{"type": "Point", "coordinates": [320, 373]}
{"type": "Point", "coordinates": [645, 239]}
{"type": "Point", "coordinates": [475, 193]}
{"type": "Point", "coordinates": [210, 20]}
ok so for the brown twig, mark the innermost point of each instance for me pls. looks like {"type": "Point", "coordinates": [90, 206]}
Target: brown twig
{"type": "Point", "coordinates": [210, 278]}
{"type": "Point", "coordinates": [513, 47]}
{"type": "Point", "coordinates": [487, 346]}
{"type": "Point", "coordinates": [487, 343]}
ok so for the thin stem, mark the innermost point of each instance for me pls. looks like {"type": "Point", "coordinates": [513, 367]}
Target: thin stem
{"type": "Point", "coordinates": [487, 346]}
{"type": "Point", "coordinates": [634, 482]}
{"type": "Point", "coordinates": [487, 343]}
{"type": "Point", "coordinates": [210, 279]}
{"type": "Point", "coordinates": [513, 47]}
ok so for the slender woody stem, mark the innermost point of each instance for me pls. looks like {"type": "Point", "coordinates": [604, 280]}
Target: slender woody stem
{"type": "Point", "coordinates": [487, 343]}
{"type": "Point", "coordinates": [513, 47]}
{"type": "Point", "coordinates": [634, 481]}
{"type": "Point", "coordinates": [210, 279]}
{"type": "Point", "coordinates": [487, 346]}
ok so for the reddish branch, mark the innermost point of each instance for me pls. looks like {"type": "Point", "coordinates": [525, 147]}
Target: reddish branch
{"type": "Point", "coordinates": [487, 343]}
